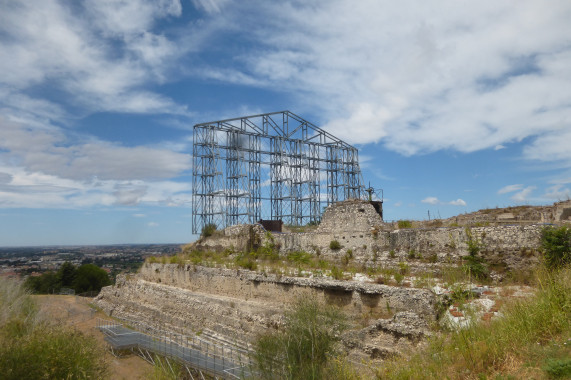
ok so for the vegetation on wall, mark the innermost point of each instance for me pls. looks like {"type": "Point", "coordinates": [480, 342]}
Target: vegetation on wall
{"type": "Point", "coordinates": [335, 245]}
{"type": "Point", "coordinates": [474, 264]}
{"type": "Point", "coordinates": [556, 244]}
{"type": "Point", "coordinates": [208, 230]}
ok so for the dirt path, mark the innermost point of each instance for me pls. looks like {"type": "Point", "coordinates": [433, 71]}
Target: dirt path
{"type": "Point", "coordinates": [75, 311]}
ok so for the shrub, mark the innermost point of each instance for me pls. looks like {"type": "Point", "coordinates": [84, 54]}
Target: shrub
{"type": "Point", "coordinates": [558, 368]}
{"type": "Point", "coordinates": [89, 277]}
{"type": "Point", "coordinates": [474, 264]}
{"type": "Point", "coordinates": [299, 257]}
{"type": "Point", "coordinates": [208, 230]}
{"type": "Point", "coordinates": [404, 224]}
{"type": "Point", "coordinates": [398, 278]}
{"type": "Point", "coordinates": [32, 348]}
{"type": "Point", "coordinates": [392, 254]}
{"type": "Point", "coordinates": [474, 267]}
{"type": "Point", "coordinates": [306, 344]}
{"type": "Point", "coordinates": [247, 260]}
{"type": "Point", "coordinates": [556, 244]}
{"type": "Point", "coordinates": [336, 273]}
{"type": "Point", "coordinates": [403, 268]}
{"type": "Point", "coordinates": [411, 254]}
{"type": "Point", "coordinates": [334, 245]}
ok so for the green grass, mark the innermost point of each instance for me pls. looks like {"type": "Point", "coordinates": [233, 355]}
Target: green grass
{"type": "Point", "coordinates": [306, 347]}
{"type": "Point", "coordinates": [33, 348]}
{"type": "Point", "coordinates": [532, 340]}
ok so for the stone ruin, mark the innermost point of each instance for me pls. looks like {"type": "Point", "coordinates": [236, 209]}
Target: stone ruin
{"type": "Point", "coordinates": [236, 305]}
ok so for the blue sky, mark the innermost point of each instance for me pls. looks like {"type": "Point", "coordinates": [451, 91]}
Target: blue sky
{"type": "Point", "coordinates": [454, 106]}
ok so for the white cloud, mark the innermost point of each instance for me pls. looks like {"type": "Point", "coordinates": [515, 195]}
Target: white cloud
{"type": "Point", "coordinates": [398, 204]}
{"type": "Point", "coordinates": [431, 200]}
{"type": "Point", "coordinates": [523, 196]}
{"type": "Point", "coordinates": [510, 188]}
{"type": "Point", "coordinates": [438, 75]}
{"type": "Point", "coordinates": [436, 201]}
{"type": "Point", "coordinates": [47, 150]}
{"type": "Point", "coordinates": [152, 224]}
{"type": "Point", "coordinates": [558, 193]}
{"type": "Point", "coordinates": [210, 6]}
{"type": "Point", "coordinates": [499, 147]}
{"type": "Point", "coordinates": [100, 59]}
{"type": "Point", "coordinates": [457, 202]}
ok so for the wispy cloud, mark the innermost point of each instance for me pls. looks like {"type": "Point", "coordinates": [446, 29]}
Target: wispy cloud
{"type": "Point", "coordinates": [510, 188]}
{"type": "Point", "coordinates": [436, 201]}
{"type": "Point", "coordinates": [464, 80]}
{"type": "Point", "coordinates": [523, 195]}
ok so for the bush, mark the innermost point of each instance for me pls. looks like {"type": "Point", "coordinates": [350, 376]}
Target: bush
{"type": "Point", "coordinates": [299, 257]}
{"type": "Point", "coordinates": [404, 224]}
{"type": "Point", "coordinates": [304, 347]}
{"type": "Point", "coordinates": [208, 230]}
{"type": "Point", "coordinates": [474, 264]}
{"type": "Point", "coordinates": [32, 348]}
{"type": "Point", "coordinates": [89, 277]}
{"type": "Point", "coordinates": [336, 273]}
{"type": "Point", "coordinates": [556, 244]}
{"type": "Point", "coordinates": [334, 245]}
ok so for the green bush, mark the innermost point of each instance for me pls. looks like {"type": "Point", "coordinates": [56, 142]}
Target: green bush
{"type": "Point", "coordinates": [334, 245]}
{"type": "Point", "coordinates": [556, 244]}
{"type": "Point", "coordinates": [303, 349]}
{"type": "Point", "coordinates": [404, 224]}
{"type": "Point", "coordinates": [32, 348]}
{"type": "Point", "coordinates": [208, 230]}
{"type": "Point", "coordinates": [399, 277]}
{"type": "Point", "coordinates": [247, 260]}
{"type": "Point", "coordinates": [411, 254]}
{"type": "Point", "coordinates": [474, 264]}
{"type": "Point", "coordinates": [299, 257]}
{"type": "Point", "coordinates": [558, 368]}
{"type": "Point", "coordinates": [336, 273]}
{"type": "Point", "coordinates": [89, 277]}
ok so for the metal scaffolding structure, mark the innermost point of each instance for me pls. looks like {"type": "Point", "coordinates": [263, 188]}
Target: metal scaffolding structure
{"type": "Point", "coordinates": [272, 166]}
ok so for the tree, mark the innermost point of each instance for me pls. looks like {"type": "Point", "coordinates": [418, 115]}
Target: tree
{"type": "Point", "coordinates": [556, 244]}
{"type": "Point", "coordinates": [89, 277]}
{"type": "Point", "coordinates": [66, 274]}
{"type": "Point", "coordinates": [45, 284]}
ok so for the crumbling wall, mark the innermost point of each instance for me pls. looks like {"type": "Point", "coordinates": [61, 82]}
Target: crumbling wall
{"type": "Point", "coordinates": [240, 304]}
{"type": "Point", "coordinates": [360, 231]}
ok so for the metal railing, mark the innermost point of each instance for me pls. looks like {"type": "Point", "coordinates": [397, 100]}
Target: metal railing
{"type": "Point", "coordinates": [218, 360]}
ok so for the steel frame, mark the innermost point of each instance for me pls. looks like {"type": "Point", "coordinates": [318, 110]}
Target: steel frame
{"type": "Point", "coordinates": [274, 165]}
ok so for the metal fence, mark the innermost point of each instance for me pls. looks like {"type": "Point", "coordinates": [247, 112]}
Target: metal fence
{"type": "Point", "coordinates": [225, 361]}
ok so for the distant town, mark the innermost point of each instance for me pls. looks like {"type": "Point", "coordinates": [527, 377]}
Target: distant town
{"type": "Point", "coordinates": [33, 261]}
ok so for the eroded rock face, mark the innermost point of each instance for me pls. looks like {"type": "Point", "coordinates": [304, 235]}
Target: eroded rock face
{"type": "Point", "coordinates": [387, 337]}
{"type": "Point", "coordinates": [239, 305]}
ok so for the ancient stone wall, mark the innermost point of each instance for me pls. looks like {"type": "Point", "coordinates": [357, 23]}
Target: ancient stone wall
{"type": "Point", "coordinates": [241, 303]}
{"type": "Point", "coordinates": [516, 246]}
{"type": "Point", "coordinates": [362, 235]}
